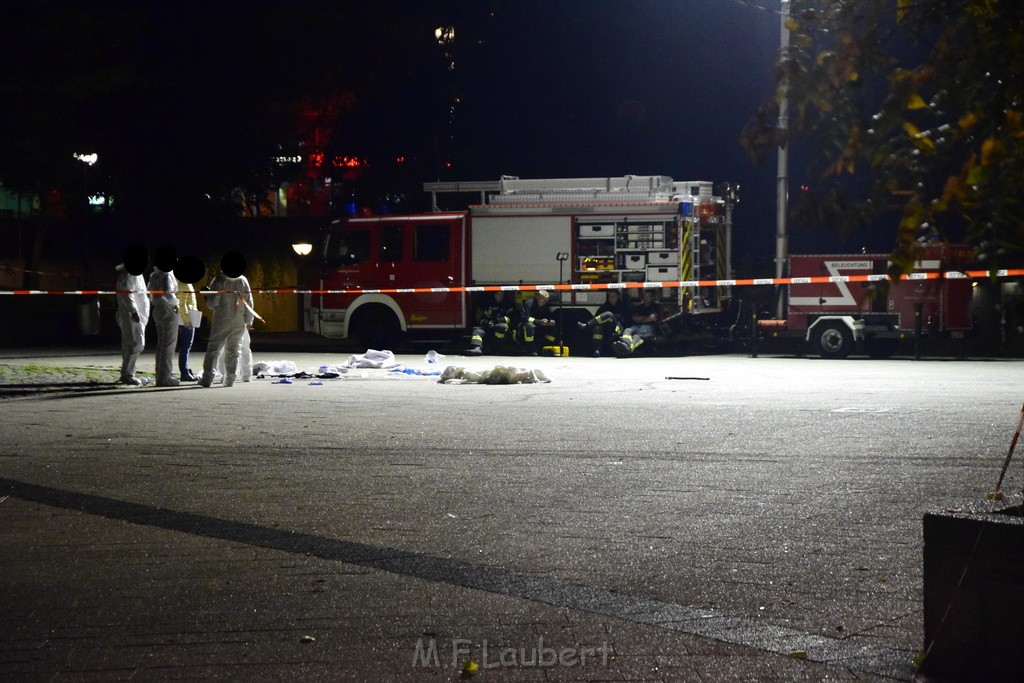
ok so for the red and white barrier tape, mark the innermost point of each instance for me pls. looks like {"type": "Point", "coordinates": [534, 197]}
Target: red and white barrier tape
{"type": "Point", "coordinates": [597, 286]}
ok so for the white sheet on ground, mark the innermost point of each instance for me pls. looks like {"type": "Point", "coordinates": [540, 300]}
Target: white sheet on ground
{"type": "Point", "coordinates": [371, 359]}
{"type": "Point", "coordinates": [499, 374]}
{"type": "Point", "coordinates": [274, 367]}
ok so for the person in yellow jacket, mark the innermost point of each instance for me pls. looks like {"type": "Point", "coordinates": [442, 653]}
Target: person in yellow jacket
{"type": "Point", "coordinates": [189, 271]}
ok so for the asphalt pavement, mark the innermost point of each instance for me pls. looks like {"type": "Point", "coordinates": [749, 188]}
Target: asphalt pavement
{"type": "Point", "coordinates": [701, 518]}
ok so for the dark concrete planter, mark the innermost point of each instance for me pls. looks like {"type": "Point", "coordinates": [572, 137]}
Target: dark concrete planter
{"type": "Point", "coordinates": [981, 636]}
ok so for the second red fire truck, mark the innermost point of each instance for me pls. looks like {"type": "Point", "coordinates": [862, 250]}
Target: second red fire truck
{"type": "Point", "coordinates": [838, 302]}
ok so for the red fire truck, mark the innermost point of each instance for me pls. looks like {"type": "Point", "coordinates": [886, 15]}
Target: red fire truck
{"type": "Point", "coordinates": [406, 274]}
{"type": "Point", "coordinates": [834, 314]}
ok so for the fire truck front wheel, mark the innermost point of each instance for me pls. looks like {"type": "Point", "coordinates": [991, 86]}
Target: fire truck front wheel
{"type": "Point", "coordinates": [376, 327]}
{"type": "Point", "coordinates": [833, 340]}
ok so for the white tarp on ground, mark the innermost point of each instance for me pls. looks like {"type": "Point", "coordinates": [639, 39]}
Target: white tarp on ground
{"type": "Point", "coordinates": [274, 367]}
{"type": "Point", "coordinates": [385, 360]}
{"type": "Point", "coordinates": [499, 374]}
{"type": "Point", "coordinates": [371, 359]}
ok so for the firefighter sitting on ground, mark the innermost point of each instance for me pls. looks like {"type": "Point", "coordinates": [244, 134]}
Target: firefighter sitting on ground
{"type": "Point", "coordinates": [494, 322]}
{"type": "Point", "coordinates": [537, 320]}
{"type": "Point", "coordinates": [606, 326]}
{"type": "Point", "coordinates": [645, 318]}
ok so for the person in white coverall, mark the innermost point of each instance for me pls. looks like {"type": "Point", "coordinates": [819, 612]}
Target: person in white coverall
{"type": "Point", "coordinates": [232, 315]}
{"type": "Point", "coordinates": [244, 370]}
{"type": "Point", "coordinates": [132, 309]}
{"type": "Point", "coordinates": [165, 314]}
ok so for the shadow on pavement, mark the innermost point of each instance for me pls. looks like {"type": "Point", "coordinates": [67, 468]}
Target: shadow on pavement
{"type": "Point", "coordinates": [492, 579]}
{"type": "Point", "coordinates": [57, 389]}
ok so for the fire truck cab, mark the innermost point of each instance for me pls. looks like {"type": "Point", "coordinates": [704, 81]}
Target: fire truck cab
{"type": "Point", "coordinates": [368, 254]}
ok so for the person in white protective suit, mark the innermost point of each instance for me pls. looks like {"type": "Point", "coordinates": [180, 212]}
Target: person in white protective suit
{"type": "Point", "coordinates": [165, 313]}
{"type": "Point", "coordinates": [232, 316]}
{"type": "Point", "coordinates": [244, 369]}
{"type": "Point", "coordinates": [132, 309]}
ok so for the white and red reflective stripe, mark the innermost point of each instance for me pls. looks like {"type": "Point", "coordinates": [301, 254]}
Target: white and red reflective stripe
{"type": "Point", "coordinates": [597, 286]}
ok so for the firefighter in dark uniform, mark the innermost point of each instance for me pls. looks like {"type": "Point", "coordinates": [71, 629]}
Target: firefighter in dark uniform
{"type": "Point", "coordinates": [645, 318]}
{"type": "Point", "coordinates": [494, 322]}
{"type": "Point", "coordinates": [537, 321]}
{"type": "Point", "coordinates": [607, 325]}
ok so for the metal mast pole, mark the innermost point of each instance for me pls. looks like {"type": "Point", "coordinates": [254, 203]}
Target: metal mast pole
{"type": "Point", "coordinates": [782, 179]}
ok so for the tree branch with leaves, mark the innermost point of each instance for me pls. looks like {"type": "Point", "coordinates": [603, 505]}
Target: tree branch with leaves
{"type": "Point", "coordinates": [922, 99]}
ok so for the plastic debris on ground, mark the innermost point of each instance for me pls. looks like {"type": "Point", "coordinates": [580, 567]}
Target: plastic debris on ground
{"type": "Point", "coordinates": [433, 357]}
{"type": "Point", "coordinates": [371, 359]}
{"type": "Point", "coordinates": [274, 367]}
{"type": "Point", "coordinates": [287, 368]}
{"type": "Point", "coordinates": [331, 372]}
{"type": "Point", "coordinates": [415, 371]}
{"type": "Point", "coordinates": [499, 374]}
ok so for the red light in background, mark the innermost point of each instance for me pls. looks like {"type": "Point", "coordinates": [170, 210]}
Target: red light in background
{"type": "Point", "coordinates": [347, 162]}
{"type": "Point", "coordinates": [316, 159]}
{"type": "Point", "coordinates": [400, 159]}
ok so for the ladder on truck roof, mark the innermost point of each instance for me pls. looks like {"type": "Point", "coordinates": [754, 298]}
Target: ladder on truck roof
{"type": "Point", "coordinates": [512, 190]}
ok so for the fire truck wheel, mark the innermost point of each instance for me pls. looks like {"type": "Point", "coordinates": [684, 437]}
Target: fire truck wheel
{"type": "Point", "coordinates": [834, 341]}
{"type": "Point", "coordinates": [377, 328]}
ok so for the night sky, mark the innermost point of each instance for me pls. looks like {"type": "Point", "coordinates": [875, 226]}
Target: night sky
{"type": "Point", "coordinates": [563, 88]}
{"type": "Point", "coordinates": [529, 88]}
{"type": "Point", "coordinates": [607, 88]}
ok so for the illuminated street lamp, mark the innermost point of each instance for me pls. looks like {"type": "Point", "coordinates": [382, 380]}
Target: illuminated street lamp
{"type": "Point", "coordinates": [302, 250]}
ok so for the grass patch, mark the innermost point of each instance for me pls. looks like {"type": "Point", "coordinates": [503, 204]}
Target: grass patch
{"type": "Point", "coordinates": [35, 370]}
{"type": "Point", "coordinates": [50, 368]}
{"type": "Point", "coordinates": [98, 372]}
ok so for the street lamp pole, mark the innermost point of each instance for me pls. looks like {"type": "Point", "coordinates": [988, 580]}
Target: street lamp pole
{"type": "Point", "coordinates": [562, 257]}
{"type": "Point", "coordinates": [782, 179]}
